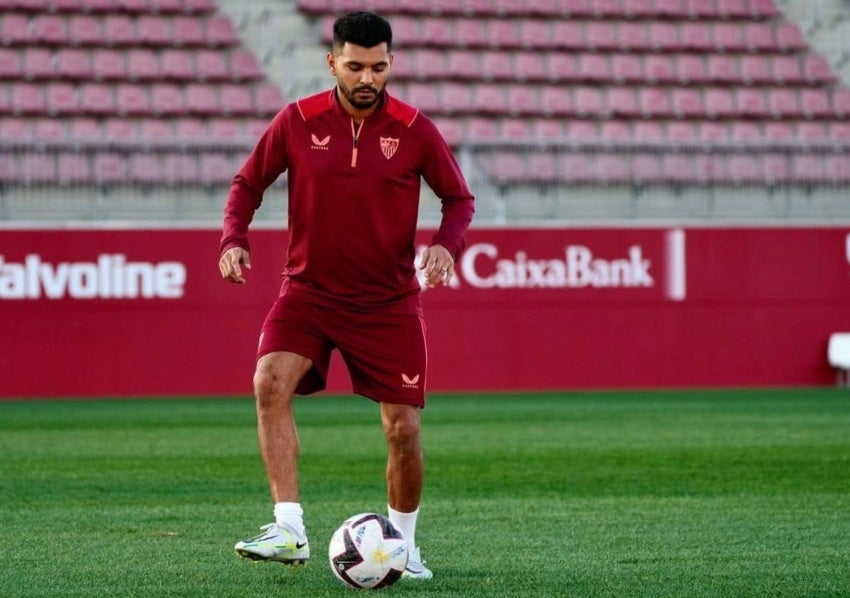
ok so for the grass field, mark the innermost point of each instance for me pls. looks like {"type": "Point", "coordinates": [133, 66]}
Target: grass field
{"type": "Point", "coordinates": [728, 494]}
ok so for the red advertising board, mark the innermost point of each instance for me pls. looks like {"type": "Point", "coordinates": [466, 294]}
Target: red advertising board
{"type": "Point", "coordinates": [144, 312]}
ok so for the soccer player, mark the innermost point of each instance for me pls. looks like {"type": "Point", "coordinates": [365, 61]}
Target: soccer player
{"type": "Point", "coordinates": [355, 157]}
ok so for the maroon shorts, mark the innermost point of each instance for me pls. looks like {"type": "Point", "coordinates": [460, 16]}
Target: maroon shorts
{"type": "Point", "coordinates": [385, 353]}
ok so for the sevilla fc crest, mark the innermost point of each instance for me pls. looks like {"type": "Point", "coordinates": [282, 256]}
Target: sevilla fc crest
{"type": "Point", "coordinates": [389, 146]}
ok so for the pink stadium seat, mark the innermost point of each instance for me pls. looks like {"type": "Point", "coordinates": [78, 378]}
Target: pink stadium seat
{"type": "Point", "coordinates": [180, 169]}
{"type": "Point", "coordinates": [744, 168]}
{"type": "Point", "coordinates": [424, 96]}
{"type": "Point", "coordinates": [837, 169]}
{"type": "Point", "coordinates": [664, 36]}
{"type": "Point", "coordinates": [733, 9]}
{"type": "Point", "coordinates": [576, 168]}
{"type": "Point", "coordinates": [97, 98]}
{"type": "Point", "coordinates": [568, 35]}
{"type": "Point", "coordinates": [616, 130]}
{"type": "Point", "coordinates": [437, 31]}
{"type": "Point", "coordinates": [691, 69]}
{"type": "Point", "coordinates": [469, 33]}
{"type": "Point", "coordinates": [504, 33]}
{"type": "Point", "coordinates": [61, 98]}
{"type": "Point", "coordinates": [462, 64]}
{"type": "Point", "coordinates": [577, 8]}
{"type": "Point", "coordinates": [506, 167]}
{"type": "Point", "coordinates": [562, 67]}
{"type": "Point", "coordinates": [132, 99]}
{"type": "Point", "coordinates": [838, 130]}
{"type": "Point", "coordinates": [536, 34]}
{"type": "Point", "coordinates": [548, 128]}
{"type": "Point", "coordinates": [120, 128]}
{"type": "Point", "coordinates": [49, 129]}
{"type": "Point", "coordinates": [627, 68]}
{"type": "Point", "coordinates": [682, 131]}
{"type": "Point", "coordinates": [177, 65]}
{"type": "Point", "coordinates": [744, 130]}
{"type": "Point", "coordinates": [677, 168]}
{"type": "Point", "coordinates": [142, 65]}
{"type": "Point", "coordinates": [756, 69]}
{"type": "Point", "coordinates": [530, 66]}
{"type": "Point", "coordinates": [841, 102]}
{"type": "Point", "coordinates": [10, 64]}
{"type": "Point", "coordinates": [723, 69]}
{"type": "Point", "coordinates": [220, 32]}
{"type": "Point", "coordinates": [751, 103]}
{"type": "Point", "coordinates": [775, 169]}
{"type": "Point", "coordinates": [594, 67]}
{"type": "Point", "coordinates": [789, 38]}
{"type": "Point", "coordinates": [687, 102]}
{"type": "Point", "coordinates": [606, 9]}
{"type": "Point", "coordinates": [621, 101]}
{"type": "Point", "coordinates": [134, 6]}
{"type": "Point", "coordinates": [167, 99]}
{"type": "Point", "coordinates": [72, 63]}
{"type": "Point", "coordinates": [712, 132]}
{"type": "Point", "coordinates": [817, 70]}
{"type": "Point", "coordinates": [481, 128]}
{"type": "Point", "coordinates": [144, 168]}
{"type": "Point", "coordinates": [109, 168]}
{"type": "Point", "coordinates": [489, 99]}
{"type": "Point", "coordinates": [84, 129]}
{"type": "Point", "coordinates": [119, 30]}
{"type": "Point", "coordinates": [543, 167]}
{"type": "Point", "coordinates": [811, 131]}
{"type": "Point", "coordinates": [759, 37]}
{"type": "Point", "coordinates": [544, 8]}
{"type": "Point", "coordinates": [586, 101]}
{"type": "Point", "coordinates": [515, 128]}
{"type": "Point", "coordinates": [456, 98]}
{"type": "Point", "coordinates": [108, 65]}
{"type": "Point", "coordinates": [157, 130]}
{"type": "Point", "coordinates": [580, 129]}
{"type": "Point", "coordinates": [660, 69]}
{"type": "Point", "coordinates": [187, 31]}
{"type": "Point", "coordinates": [451, 129]}
{"type": "Point", "coordinates": [15, 30]}
{"type": "Point", "coordinates": [654, 102]}
{"type": "Point", "coordinates": [611, 169]}
{"type": "Point", "coordinates": [51, 29]}
{"type": "Point", "coordinates": [198, 6]}
{"type": "Point", "coordinates": [647, 130]}
{"type": "Point", "coordinates": [763, 9]}
{"type": "Point", "coordinates": [244, 66]}
{"type": "Point", "coordinates": [645, 168]}
{"type": "Point", "coordinates": [38, 63]}
{"type": "Point", "coordinates": [523, 99]}
{"type": "Point", "coordinates": [216, 169]}
{"type": "Point", "coordinates": [267, 99]}
{"type": "Point", "coordinates": [702, 9]}
{"type": "Point", "coordinates": [84, 30]}
{"type": "Point", "coordinates": [807, 168]}
{"type": "Point", "coordinates": [638, 9]}
{"type": "Point", "coordinates": [211, 65]}
{"type": "Point", "coordinates": [153, 30]}
{"type": "Point", "coordinates": [27, 98]}
{"type": "Point", "coordinates": [815, 103]}
{"type": "Point", "coordinates": [497, 66]}
{"type": "Point", "coordinates": [600, 35]}
{"type": "Point", "coordinates": [787, 70]}
{"type": "Point", "coordinates": [632, 36]}
{"type": "Point", "coordinates": [719, 103]}
{"type": "Point", "coordinates": [201, 98]}
{"type": "Point", "coordinates": [779, 131]}
{"type": "Point", "coordinates": [73, 168]}
{"type": "Point", "coordinates": [783, 102]}
{"type": "Point", "coordinates": [556, 101]}
{"type": "Point", "coordinates": [36, 167]}
{"type": "Point", "coordinates": [695, 37]}
{"type": "Point", "coordinates": [15, 129]}
{"type": "Point", "coordinates": [728, 37]}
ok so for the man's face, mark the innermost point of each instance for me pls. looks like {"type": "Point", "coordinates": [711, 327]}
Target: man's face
{"type": "Point", "coordinates": [361, 73]}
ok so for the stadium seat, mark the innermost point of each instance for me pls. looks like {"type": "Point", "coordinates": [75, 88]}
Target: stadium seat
{"type": "Point", "coordinates": [759, 37]}
{"type": "Point", "coordinates": [462, 64]}
{"type": "Point", "coordinates": [109, 65]}
{"type": "Point", "coordinates": [530, 66]}
{"type": "Point", "coordinates": [61, 99]}
{"type": "Point", "coordinates": [187, 31]}
{"type": "Point", "coordinates": [686, 102]}
{"type": "Point", "coordinates": [452, 130]}
{"type": "Point", "coordinates": [789, 38]}
{"type": "Point", "coordinates": [660, 69]}
{"type": "Point", "coordinates": [177, 65]}
{"type": "Point", "coordinates": [109, 168]}
{"type": "Point", "coordinates": [50, 29]}
{"type": "Point", "coordinates": [576, 168]}
{"type": "Point", "coordinates": [783, 103]}
{"type": "Point", "coordinates": [750, 102]}
{"type": "Point", "coordinates": [456, 98]}
{"type": "Point", "coordinates": [651, 131]}
{"type": "Point", "coordinates": [167, 99]}
{"type": "Point", "coordinates": [180, 169]}
{"type": "Point", "coordinates": [728, 37]}
{"type": "Point", "coordinates": [72, 63]}
{"type": "Point", "coordinates": [489, 99]}
{"type": "Point", "coordinates": [601, 36]}
{"type": "Point", "coordinates": [36, 167]}
{"type": "Point", "coordinates": [621, 102]}
{"type": "Point", "coordinates": [654, 102]}
{"type": "Point", "coordinates": [612, 169]}
{"type": "Point", "coordinates": [478, 129]}
{"type": "Point", "coordinates": [211, 65]}
{"type": "Point", "coordinates": [568, 35]}
{"type": "Point", "coordinates": [144, 168]}
{"type": "Point", "coordinates": [586, 101]}
{"type": "Point", "coordinates": [27, 99]}
{"type": "Point", "coordinates": [142, 65]}
{"type": "Point", "coordinates": [157, 130]}
{"type": "Point", "coordinates": [244, 66]}
{"type": "Point", "coordinates": [690, 69]}
{"type": "Point", "coordinates": [38, 64]}
{"type": "Point", "coordinates": [841, 102]}
{"type": "Point", "coordinates": [497, 66]}
{"type": "Point", "coordinates": [119, 30]}
{"type": "Point", "coordinates": [633, 37]}
{"type": "Point", "coordinates": [15, 30]}
{"type": "Point", "coordinates": [817, 70]}
{"type": "Point", "coordinates": [132, 100]}
{"type": "Point", "coordinates": [562, 67]}
{"type": "Point", "coordinates": [664, 36]}
{"type": "Point", "coordinates": [627, 68]}
{"type": "Point", "coordinates": [646, 168]}
{"type": "Point", "coordinates": [220, 32]}
{"type": "Point", "coordinates": [756, 70]}
{"type": "Point", "coordinates": [718, 102]}
{"type": "Point", "coordinates": [437, 31]}
{"type": "Point", "coordinates": [815, 103]}
{"type": "Point", "coordinates": [723, 69]}
{"type": "Point", "coordinates": [594, 67]}
{"type": "Point", "coordinates": [695, 37]}
{"type": "Point", "coordinates": [787, 70]}
{"type": "Point", "coordinates": [775, 169]}
{"type": "Point", "coordinates": [73, 168]}
{"type": "Point", "coordinates": [154, 30]}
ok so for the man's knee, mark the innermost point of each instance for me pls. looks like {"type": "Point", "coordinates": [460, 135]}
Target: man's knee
{"type": "Point", "coordinates": [402, 427]}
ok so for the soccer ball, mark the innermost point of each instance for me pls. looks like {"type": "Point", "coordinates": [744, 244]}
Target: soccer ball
{"type": "Point", "coordinates": [368, 552]}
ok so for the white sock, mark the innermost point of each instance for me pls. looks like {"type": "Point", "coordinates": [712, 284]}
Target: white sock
{"type": "Point", "coordinates": [406, 522]}
{"type": "Point", "coordinates": [291, 514]}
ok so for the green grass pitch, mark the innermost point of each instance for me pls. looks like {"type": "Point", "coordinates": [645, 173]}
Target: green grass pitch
{"type": "Point", "coordinates": [714, 493]}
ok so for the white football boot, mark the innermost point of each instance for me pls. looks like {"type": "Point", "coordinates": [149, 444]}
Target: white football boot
{"type": "Point", "coordinates": [416, 568]}
{"type": "Point", "coordinates": [277, 543]}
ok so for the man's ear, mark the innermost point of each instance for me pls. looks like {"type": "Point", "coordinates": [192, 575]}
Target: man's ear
{"type": "Point", "coordinates": [331, 63]}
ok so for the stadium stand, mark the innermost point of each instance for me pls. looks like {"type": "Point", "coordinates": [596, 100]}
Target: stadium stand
{"type": "Point", "coordinates": [652, 78]}
{"type": "Point", "coordinates": [118, 79]}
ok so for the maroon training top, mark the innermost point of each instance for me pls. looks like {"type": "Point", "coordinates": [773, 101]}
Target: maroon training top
{"type": "Point", "coordinates": [353, 198]}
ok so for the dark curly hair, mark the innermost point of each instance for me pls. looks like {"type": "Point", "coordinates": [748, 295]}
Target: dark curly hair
{"type": "Point", "coordinates": [362, 28]}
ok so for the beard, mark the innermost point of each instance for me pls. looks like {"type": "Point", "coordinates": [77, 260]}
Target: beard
{"type": "Point", "coordinates": [361, 101]}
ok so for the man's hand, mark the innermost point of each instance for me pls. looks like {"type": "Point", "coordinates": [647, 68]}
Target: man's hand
{"type": "Point", "coordinates": [438, 265]}
{"type": "Point", "coordinates": [230, 264]}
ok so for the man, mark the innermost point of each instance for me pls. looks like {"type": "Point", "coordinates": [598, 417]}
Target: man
{"type": "Point", "coordinates": [355, 156]}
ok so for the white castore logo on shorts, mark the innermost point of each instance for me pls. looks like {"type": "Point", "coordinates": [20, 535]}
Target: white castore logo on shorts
{"type": "Point", "coordinates": [408, 382]}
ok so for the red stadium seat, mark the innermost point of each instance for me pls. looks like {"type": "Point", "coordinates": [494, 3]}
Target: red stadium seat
{"type": "Point", "coordinates": [841, 102]}
{"type": "Point", "coordinates": [776, 169]}
{"type": "Point", "coordinates": [220, 32]}
{"type": "Point", "coordinates": [49, 129]}
{"type": "Point", "coordinates": [109, 168]}
{"type": "Point", "coordinates": [456, 98]}
{"type": "Point", "coordinates": [712, 132]}
{"type": "Point", "coordinates": [15, 30]}
{"type": "Point", "coordinates": [633, 36]}
{"type": "Point", "coordinates": [719, 103]}
{"type": "Point", "coordinates": [97, 98]}
{"type": "Point", "coordinates": [664, 36]}
{"type": "Point", "coordinates": [27, 98]}
{"type": "Point", "coordinates": [733, 9]}
{"type": "Point", "coordinates": [751, 103]}
{"type": "Point", "coordinates": [155, 130]}
{"type": "Point", "coordinates": [702, 9]}
{"type": "Point", "coordinates": [478, 129]}
{"type": "Point", "coordinates": [119, 30]}
{"type": "Point", "coordinates": [73, 168]}
{"type": "Point", "coordinates": [723, 69]}
{"type": "Point", "coordinates": [462, 64]}
{"type": "Point", "coordinates": [807, 168]}
{"type": "Point", "coordinates": [469, 33]}
{"type": "Point", "coordinates": [142, 65]}
{"type": "Point", "coordinates": [815, 103]}
{"type": "Point", "coordinates": [530, 66]}
{"type": "Point", "coordinates": [627, 68]}
{"type": "Point", "coordinates": [779, 131]}
{"type": "Point", "coordinates": [201, 99]}
{"type": "Point", "coordinates": [601, 35]}
{"type": "Point", "coordinates": [594, 67]}
{"type": "Point", "coordinates": [544, 8]}
{"type": "Point", "coordinates": [638, 9]}
{"type": "Point", "coordinates": [244, 66]}
{"type": "Point", "coordinates": [587, 101]}
{"type": "Point", "coordinates": [677, 168]}
{"type": "Point", "coordinates": [743, 130]}
{"type": "Point", "coordinates": [789, 38]}
{"type": "Point", "coordinates": [581, 129]}
{"type": "Point", "coordinates": [177, 65]}
{"type": "Point", "coordinates": [576, 168]}
{"type": "Point", "coordinates": [15, 130]}
{"type": "Point", "coordinates": [144, 168]}
{"type": "Point", "coordinates": [154, 30]}
{"type": "Point", "coordinates": [424, 96]}
{"type": "Point", "coordinates": [621, 101]}
{"type": "Point", "coordinates": [787, 70]}
{"type": "Point", "coordinates": [568, 35]}
{"type": "Point", "coordinates": [167, 99]}
{"type": "Point", "coordinates": [810, 131]}
{"type": "Point", "coordinates": [654, 102]}
{"type": "Point", "coordinates": [74, 64]}
{"type": "Point", "coordinates": [489, 99]}
{"type": "Point", "coordinates": [36, 167]}
{"type": "Point", "coordinates": [497, 66]}
{"type": "Point", "coordinates": [683, 131]}
{"type": "Point", "coordinates": [745, 169]}
{"type": "Point", "coordinates": [536, 34]}
{"type": "Point", "coordinates": [756, 70]}
{"type": "Point", "coordinates": [548, 128]}
{"type": "Point", "coordinates": [523, 99]}
{"type": "Point", "coordinates": [695, 37]}
{"type": "Point", "coordinates": [51, 29]}
{"type": "Point", "coordinates": [577, 8]}
{"type": "Point", "coordinates": [85, 129]}
{"type": "Point", "coordinates": [783, 103]}
{"type": "Point", "coordinates": [691, 69]}
{"type": "Point", "coordinates": [646, 168]}
{"type": "Point", "coordinates": [660, 69]}
{"type": "Point", "coordinates": [187, 31]}
{"type": "Point", "coordinates": [687, 102]}
{"type": "Point", "coordinates": [180, 169]}
{"type": "Point", "coordinates": [838, 131]}
{"type": "Point", "coordinates": [515, 128]}
{"type": "Point", "coordinates": [503, 33]}
{"type": "Point", "coordinates": [10, 64]}
{"type": "Point", "coordinates": [451, 129]}
{"type": "Point", "coordinates": [437, 31]}
{"type": "Point", "coordinates": [763, 9]}
{"type": "Point", "coordinates": [216, 169]}
{"type": "Point", "coordinates": [816, 70]}
{"type": "Point", "coordinates": [562, 67]}
{"type": "Point", "coordinates": [606, 9]}
{"type": "Point", "coordinates": [647, 131]}
{"type": "Point", "coordinates": [556, 101]}
{"type": "Point", "coordinates": [612, 169]}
